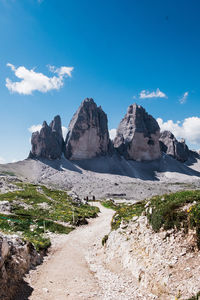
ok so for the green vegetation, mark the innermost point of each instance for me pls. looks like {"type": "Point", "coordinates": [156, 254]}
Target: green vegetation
{"type": "Point", "coordinates": [104, 239]}
{"type": "Point", "coordinates": [123, 212]}
{"type": "Point", "coordinates": [168, 212]}
{"type": "Point", "coordinates": [177, 210]}
{"type": "Point", "coordinates": [197, 297]}
{"type": "Point", "coordinates": [7, 173]}
{"type": "Point", "coordinates": [36, 210]}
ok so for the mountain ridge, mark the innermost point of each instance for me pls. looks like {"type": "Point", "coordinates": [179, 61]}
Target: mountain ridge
{"type": "Point", "coordinates": [138, 137]}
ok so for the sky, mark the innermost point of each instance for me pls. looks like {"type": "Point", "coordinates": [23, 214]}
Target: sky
{"type": "Point", "coordinates": [53, 54]}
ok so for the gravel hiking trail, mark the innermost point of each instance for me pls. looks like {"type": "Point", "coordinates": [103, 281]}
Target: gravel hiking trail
{"type": "Point", "coordinates": [65, 273]}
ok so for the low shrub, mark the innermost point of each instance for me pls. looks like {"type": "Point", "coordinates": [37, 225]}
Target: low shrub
{"type": "Point", "coordinates": [104, 239]}
{"type": "Point", "coordinates": [166, 212]}
{"type": "Point", "coordinates": [123, 212]}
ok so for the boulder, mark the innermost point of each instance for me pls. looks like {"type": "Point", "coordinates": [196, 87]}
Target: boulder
{"type": "Point", "coordinates": [138, 135]}
{"type": "Point", "coordinates": [88, 135]}
{"type": "Point", "coordinates": [48, 143]}
{"type": "Point", "coordinates": [177, 149]}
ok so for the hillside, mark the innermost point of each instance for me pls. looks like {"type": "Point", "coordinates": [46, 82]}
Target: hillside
{"type": "Point", "coordinates": [110, 176]}
{"type": "Point", "coordinates": [30, 216]}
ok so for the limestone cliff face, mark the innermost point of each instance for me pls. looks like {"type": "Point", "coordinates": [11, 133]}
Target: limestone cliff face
{"type": "Point", "coordinates": [138, 135]}
{"type": "Point", "coordinates": [48, 143]}
{"type": "Point", "coordinates": [88, 135]}
{"type": "Point", "coordinates": [174, 148]}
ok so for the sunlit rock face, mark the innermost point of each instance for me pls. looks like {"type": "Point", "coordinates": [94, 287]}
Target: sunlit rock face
{"type": "Point", "coordinates": [138, 135]}
{"type": "Point", "coordinates": [177, 149]}
{"type": "Point", "coordinates": [88, 135]}
{"type": "Point", "coordinates": [48, 143]}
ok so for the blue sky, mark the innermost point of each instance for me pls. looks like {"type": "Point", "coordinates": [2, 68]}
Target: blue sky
{"type": "Point", "coordinates": [117, 50]}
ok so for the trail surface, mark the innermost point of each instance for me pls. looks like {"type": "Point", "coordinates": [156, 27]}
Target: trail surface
{"type": "Point", "coordinates": [65, 273]}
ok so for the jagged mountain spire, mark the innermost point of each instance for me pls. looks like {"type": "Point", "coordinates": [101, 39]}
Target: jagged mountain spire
{"type": "Point", "coordinates": [138, 135]}
{"type": "Point", "coordinates": [172, 147]}
{"type": "Point", "coordinates": [48, 143]}
{"type": "Point", "coordinates": [88, 134]}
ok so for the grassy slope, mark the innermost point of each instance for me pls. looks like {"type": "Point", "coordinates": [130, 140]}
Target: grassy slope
{"type": "Point", "coordinates": [42, 209]}
{"type": "Point", "coordinates": [165, 211]}
{"type": "Point", "coordinates": [123, 212]}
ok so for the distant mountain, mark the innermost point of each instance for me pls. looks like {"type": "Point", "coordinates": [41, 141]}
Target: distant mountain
{"type": "Point", "coordinates": [138, 137]}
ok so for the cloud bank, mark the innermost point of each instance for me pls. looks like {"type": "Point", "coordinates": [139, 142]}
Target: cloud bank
{"type": "Point", "coordinates": [35, 128]}
{"type": "Point", "coordinates": [2, 160]}
{"type": "Point", "coordinates": [155, 94]}
{"type": "Point", "coordinates": [189, 129]}
{"type": "Point", "coordinates": [64, 131]}
{"type": "Point", "coordinates": [33, 81]}
{"type": "Point", "coordinates": [112, 133]}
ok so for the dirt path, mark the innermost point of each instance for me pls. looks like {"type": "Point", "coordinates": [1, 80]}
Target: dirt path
{"type": "Point", "coordinates": [65, 274]}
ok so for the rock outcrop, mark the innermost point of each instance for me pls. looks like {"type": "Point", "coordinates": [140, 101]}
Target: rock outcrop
{"type": "Point", "coordinates": [17, 257]}
{"type": "Point", "coordinates": [138, 135]}
{"type": "Point", "coordinates": [177, 149]}
{"type": "Point", "coordinates": [48, 143]}
{"type": "Point", "coordinates": [164, 263]}
{"type": "Point", "coordinates": [88, 135]}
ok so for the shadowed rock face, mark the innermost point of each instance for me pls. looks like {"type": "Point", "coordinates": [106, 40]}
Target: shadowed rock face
{"type": "Point", "coordinates": [48, 143]}
{"type": "Point", "coordinates": [88, 135]}
{"type": "Point", "coordinates": [170, 145]}
{"type": "Point", "coordinates": [138, 135]}
{"type": "Point", "coordinates": [17, 258]}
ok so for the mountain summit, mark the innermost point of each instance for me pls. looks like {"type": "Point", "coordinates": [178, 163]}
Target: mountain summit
{"type": "Point", "coordinates": [138, 135]}
{"type": "Point", "coordinates": [48, 143]}
{"type": "Point", "coordinates": [88, 134]}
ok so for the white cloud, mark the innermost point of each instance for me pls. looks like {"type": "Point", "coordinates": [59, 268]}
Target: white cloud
{"type": "Point", "coordinates": [37, 127]}
{"type": "Point", "coordinates": [33, 81]}
{"type": "Point", "coordinates": [64, 131]}
{"type": "Point", "coordinates": [2, 160]}
{"type": "Point", "coordinates": [183, 99]}
{"type": "Point", "coordinates": [189, 129]}
{"type": "Point", "coordinates": [157, 94]}
{"type": "Point", "coordinates": [112, 133]}
{"type": "Point", "coordinates": [62, 70]}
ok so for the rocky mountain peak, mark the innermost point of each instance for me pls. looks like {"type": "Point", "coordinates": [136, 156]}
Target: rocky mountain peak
{"type": "Point", "coordinates": [142, 121]}
{"type": "Point", "coordinates": [138, 135]}
{"type": "Point", "coordinates": [44, 124]}
{"type": "Point", "coordinates": [171, 146]}
{"type": "Point", "coordinates": [88, 100]}
{"type": "Point", "coordinates": [88, 135]}
{"type": "Point", "coordinates": [56, 128]}
{"type": "Point", "coordinates": [56, 124]}
{"type": "Point", "coordinates": [48, 143]}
